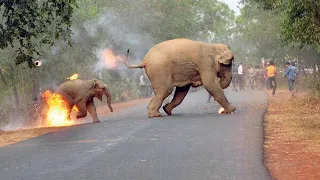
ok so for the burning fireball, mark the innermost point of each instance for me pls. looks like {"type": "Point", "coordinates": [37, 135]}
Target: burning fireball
{"type": "Point", "coordinates": [221, 110]}
{"type": "Point", "coordinates": [73, 77]}
{"type": "Point", "coordinates": [57, 114]}
{"type": "Point", "coordinates": [110, 59]}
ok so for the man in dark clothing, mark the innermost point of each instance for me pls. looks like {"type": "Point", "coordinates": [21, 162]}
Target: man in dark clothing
{"type": "Point", "coordinates": [234, 77]}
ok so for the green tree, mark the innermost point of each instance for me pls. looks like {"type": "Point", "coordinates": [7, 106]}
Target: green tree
{"type": "Point", "coordinates": [29, 25]}
{"type": "Point", "coordinates": [301, 19]}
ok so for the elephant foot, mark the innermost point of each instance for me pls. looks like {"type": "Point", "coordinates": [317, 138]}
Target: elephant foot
{"type": "Point", "coordinates": [166, 110]}
{"type": "Point", "coordinates": [155, 114]}
{"type": "Point", "coordinates": [229, 110]}
{"type": "Point", "coordinates": [96, 121]}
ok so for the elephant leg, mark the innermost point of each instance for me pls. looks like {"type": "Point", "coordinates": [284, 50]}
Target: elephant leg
{"type": "Point", "coordinates": [156, 101]}
{"type": "Point", "coordinates": [69, 104]}
{"type": "Point", "coordinates": [82, 110]}
{"type": "Point", "coordinates": [178, 97]}
{"type": "Point", "coordinates": [92, 110]}
{"type": "Point", "coordinates": [69, 107]}
{"type": "Point", "coordinates": [212, 85]}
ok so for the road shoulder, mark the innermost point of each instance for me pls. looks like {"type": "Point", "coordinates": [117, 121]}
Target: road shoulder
{"type": "Point", "coordinates": [292, 138]}
{"type": "Point", "coordinates": [12, 137]}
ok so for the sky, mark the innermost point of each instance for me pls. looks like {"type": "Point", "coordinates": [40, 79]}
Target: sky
{"type": "Point", "coordinates": [233, 5]}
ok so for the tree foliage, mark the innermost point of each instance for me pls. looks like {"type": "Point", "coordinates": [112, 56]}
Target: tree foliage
{"type": "Point", "coordinates": [301, 19]}
{"type": "Point", "coordinates": [29, 25]}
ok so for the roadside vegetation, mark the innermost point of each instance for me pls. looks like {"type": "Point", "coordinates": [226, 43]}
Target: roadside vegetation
{"type": "Point", "coordinates": [292, 136]}
{"type": "Point", "coordinates": [68, 37]}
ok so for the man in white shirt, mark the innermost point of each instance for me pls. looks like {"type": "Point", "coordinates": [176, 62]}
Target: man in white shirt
{"type": "Point", "coordinates": [241, 77]}
{"type": "Point", "coordinates": [142, 85]}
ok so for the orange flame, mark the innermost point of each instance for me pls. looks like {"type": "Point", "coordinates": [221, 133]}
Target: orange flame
{"type": "Point", "coordinates": [110, 59]}
{"type": "Point", "coordinates": [57, 114]}
{"type": "Point", "coordinates": [73, 77]}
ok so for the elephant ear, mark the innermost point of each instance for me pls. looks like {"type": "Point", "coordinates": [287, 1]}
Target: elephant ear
{"type": "Point", "coordinates": [96, 87]}
{"type": "Point", "coordinates": [225, 57]}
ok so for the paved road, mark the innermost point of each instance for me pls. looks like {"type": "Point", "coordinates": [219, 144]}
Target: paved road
{"type": "Point", "coordinates": [196, 143]}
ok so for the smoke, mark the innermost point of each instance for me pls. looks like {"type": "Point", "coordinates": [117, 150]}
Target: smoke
{"type": "Point", "coordinates": [119, 31]}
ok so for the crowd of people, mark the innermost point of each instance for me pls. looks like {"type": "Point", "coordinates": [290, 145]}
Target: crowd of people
{"type": "Point", "coordinates": [253, 77]}
{"type": "Point", "coordinates": [262, 76]}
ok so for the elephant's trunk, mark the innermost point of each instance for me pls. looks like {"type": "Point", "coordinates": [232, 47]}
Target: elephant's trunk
{"type": "Point", "coordinates": [225, 75]}
{"type": "Point", "coordinates": [109, 102]}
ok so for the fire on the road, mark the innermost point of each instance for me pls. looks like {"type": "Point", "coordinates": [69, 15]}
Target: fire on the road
{"type": "Point", "coordinates": [57, 114]}
{"type": "Point", "coordinates": [110, 59]}
{"type": "Point", "coordinates": [221, 110]}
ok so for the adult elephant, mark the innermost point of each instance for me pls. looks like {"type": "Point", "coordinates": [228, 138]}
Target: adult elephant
{"type": "Point", "coordinates": [80, 93]}
{"type": "Point", "coordinates": [182, 63]}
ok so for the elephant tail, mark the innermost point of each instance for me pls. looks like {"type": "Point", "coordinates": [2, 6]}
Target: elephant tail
{"type": "Point", "coordinates": [133, 66]}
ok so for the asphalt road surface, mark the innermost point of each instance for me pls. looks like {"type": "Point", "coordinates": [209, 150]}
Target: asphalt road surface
{"type": "Point", "coordinates": [196, 143]}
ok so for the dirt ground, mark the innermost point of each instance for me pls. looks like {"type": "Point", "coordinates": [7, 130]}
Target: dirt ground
{"type": "Point", "coordinates": [11, 137]}
{"type": "Point", "coordinates": [292, 132]}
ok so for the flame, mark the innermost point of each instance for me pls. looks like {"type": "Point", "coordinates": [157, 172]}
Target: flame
{"type": "Point", "coordinates": [57, 114]}
{"type": "Point", "coordinates": [73, 77]}
{"type": "Point", "coordinates": [75, 108]}
{"type": "Point", "coordinates": [221, 110]}
{"type": "Point", "coordinates": [110, 59]}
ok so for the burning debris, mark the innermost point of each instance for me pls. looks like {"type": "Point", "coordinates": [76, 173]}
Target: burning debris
{"type": "Point", "coordinates": [57, 114]}
{"type": "Point", "coordinates": [221, 110]}
{"type": "Point", "coordinates": [73, 77]}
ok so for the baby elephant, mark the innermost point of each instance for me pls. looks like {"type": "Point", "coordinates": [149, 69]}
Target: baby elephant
{"type": "Point", "coordinates": [81, 93]}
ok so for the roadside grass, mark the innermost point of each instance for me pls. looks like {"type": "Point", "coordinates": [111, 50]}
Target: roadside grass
{"type": "Point", "coordinates": [299, 118]}
{"type": "Point", "coordinates": [292, 136]}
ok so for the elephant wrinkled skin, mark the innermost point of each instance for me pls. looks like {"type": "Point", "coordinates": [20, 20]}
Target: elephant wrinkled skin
{"type": "Point", "coordinates": [182, 63]}
{"type": "Point", "coordinates": [80, 93]}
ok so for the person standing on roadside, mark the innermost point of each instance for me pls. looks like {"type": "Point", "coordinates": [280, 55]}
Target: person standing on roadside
{"type": "Point", "coordinates": [271, 74]}
{"type": "Point", "coordinates": [291, 73]}
{"type": "Point", "coordinates": [142, 85]}
{"type": "Point", "coordinates": [260, 77]}
{"type": "Point", "coordinates": [251, 73]}
{"type": "Point", "coordinates": [241, 76]}
{"type": "Point", "coordinates": [234, 80]}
